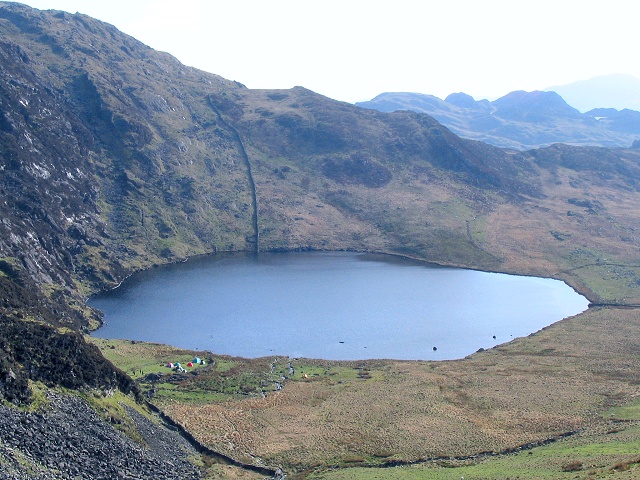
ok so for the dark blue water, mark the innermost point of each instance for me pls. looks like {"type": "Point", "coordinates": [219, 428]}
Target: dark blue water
{"type": "Point", "coordinates": [341, 306]}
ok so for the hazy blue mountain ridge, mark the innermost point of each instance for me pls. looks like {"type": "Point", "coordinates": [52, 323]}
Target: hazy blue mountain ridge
{"type": "Point", "coordinates": [617, 91]}
{"type": "Point", "coordinates": [520, 120]}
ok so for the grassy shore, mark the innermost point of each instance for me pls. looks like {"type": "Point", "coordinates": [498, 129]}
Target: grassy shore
{"type": "Point", "coordinates": [349, 419]}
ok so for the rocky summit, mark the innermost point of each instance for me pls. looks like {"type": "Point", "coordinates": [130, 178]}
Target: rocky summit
{"type": "Point", "coordinates": [115, 158]}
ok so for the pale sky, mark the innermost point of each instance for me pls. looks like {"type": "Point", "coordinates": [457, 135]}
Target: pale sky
{"type": "Point", "coordinates": [353, 50]}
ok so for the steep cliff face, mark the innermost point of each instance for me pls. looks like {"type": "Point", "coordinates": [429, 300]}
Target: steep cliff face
{"type": "Point", "coordinates": [110, 157]}
{"type": "Point", "coordinates": [106, 166]}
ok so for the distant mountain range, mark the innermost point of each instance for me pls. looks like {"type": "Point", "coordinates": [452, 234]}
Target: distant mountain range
{"type": "Point", "coordinates": [612, 91]}
{"type": "Point", "coordinates": [519, 120]}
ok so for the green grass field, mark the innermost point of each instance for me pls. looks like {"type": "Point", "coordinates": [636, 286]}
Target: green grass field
{"type": "Point", "coordinates": [605, 455]}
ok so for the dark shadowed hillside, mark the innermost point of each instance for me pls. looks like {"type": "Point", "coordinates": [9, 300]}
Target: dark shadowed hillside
{"type": "Point", "coordinates": [115, 158]}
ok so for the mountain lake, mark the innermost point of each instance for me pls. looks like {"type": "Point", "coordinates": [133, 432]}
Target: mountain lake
{"type": "Point", "coordinates": [330, 305]}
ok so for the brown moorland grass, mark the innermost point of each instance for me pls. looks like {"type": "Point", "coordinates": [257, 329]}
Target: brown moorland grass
{"type": "Point", "coordinates": [593, 249]}
{"type": "Point", "coordinates": [531, 389]}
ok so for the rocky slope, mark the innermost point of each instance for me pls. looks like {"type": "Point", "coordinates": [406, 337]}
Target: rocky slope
{"type": "Point", "coordinates": [116, 158]}
{"type": "Point", "coordinates": [520, 120]}
{"type": "Point", "coordinates": [70, 441]}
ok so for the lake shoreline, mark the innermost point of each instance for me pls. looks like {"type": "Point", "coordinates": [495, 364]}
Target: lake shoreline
{"type": "Point", "coordinates": [412, 315]}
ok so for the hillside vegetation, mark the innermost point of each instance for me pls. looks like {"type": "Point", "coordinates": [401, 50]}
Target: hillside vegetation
{"type": "Point", "coordinates": [116, 158]}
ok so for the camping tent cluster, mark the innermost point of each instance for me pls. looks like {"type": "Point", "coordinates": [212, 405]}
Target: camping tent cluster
{"type": "Point", "coordinates": [177, 367]}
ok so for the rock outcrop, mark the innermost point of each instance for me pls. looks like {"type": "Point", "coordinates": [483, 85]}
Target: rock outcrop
{"type": "Point", "coordinates": [67, 440]}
